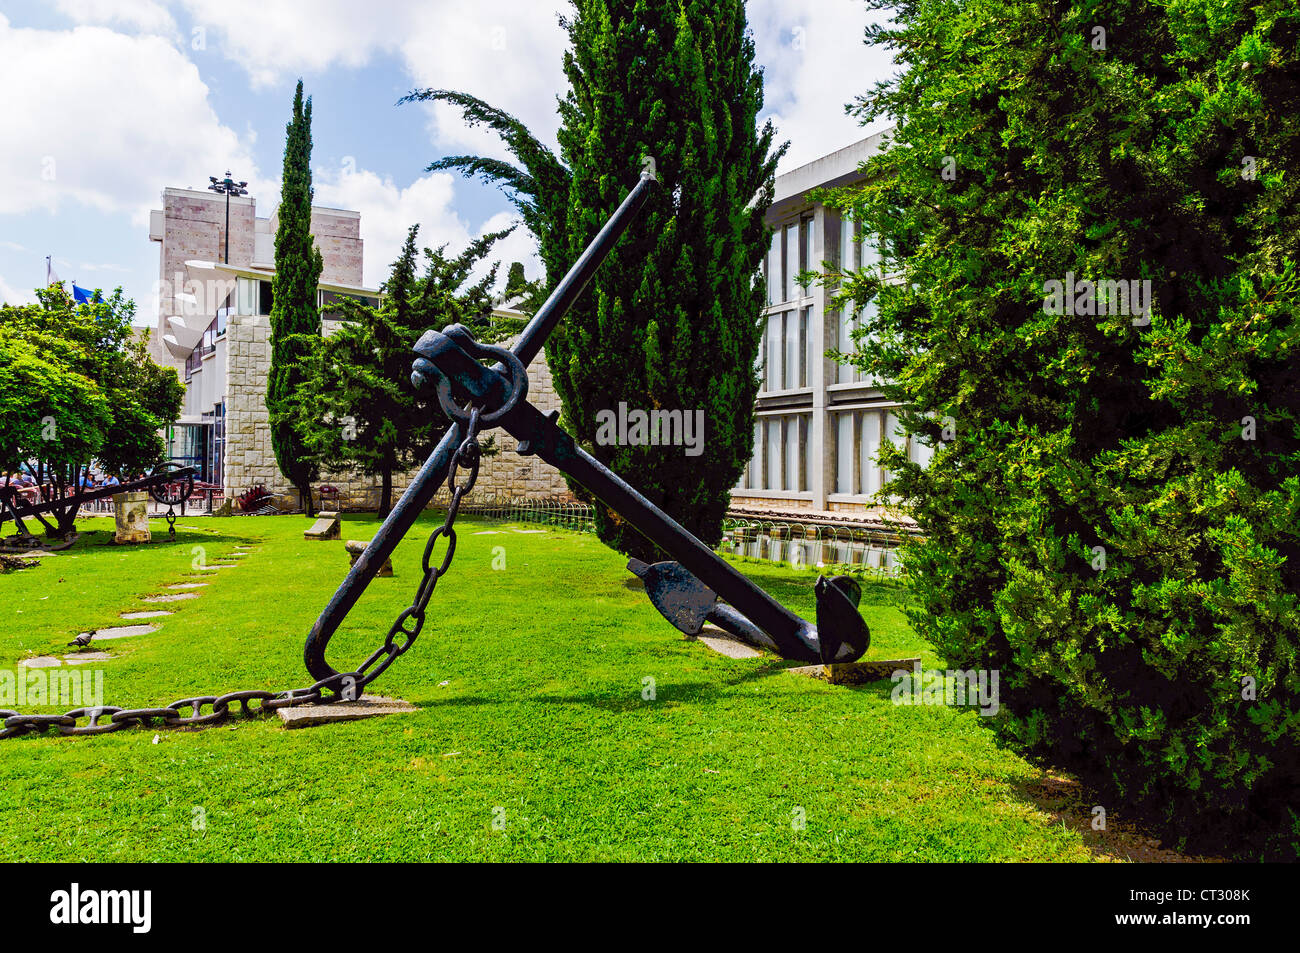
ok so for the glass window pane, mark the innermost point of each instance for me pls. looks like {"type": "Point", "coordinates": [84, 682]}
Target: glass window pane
{"type": "Point", "coordinates": [808, 464]}
{"type": "Point", "coordinates": [848, 373]}
{"type": "Point", "coordinates": [774, 351]}
{"type": "Point", "coordinates": [805, 348]}
{"type": "Point", "coordinates": [792, 454]}
{"type": "Point", "coordinates": [773, 453]}
{"type": "Point", "coordinates": [808, 250]}
{"type": "Point", "coordinates": [921, 452]}
{"type": "Point", "coordinates": [869, 251]}
{"type": "Point", "coordinates": [791, 260]}
{"type": "Point", "coordinates": [870, 448]}
{"type": "Point", "coordinates": [894, 432]}
{"type": "Point", "coordinates": [774, 269]}
{"type": "Point", "coordinates": [756, 464]}
{"type": "Point", "coordinates": [847, 248]}
{"type": "Point", "coordinates": [844, 453]}
{"type": "Point", "coordinates": [790, 376]}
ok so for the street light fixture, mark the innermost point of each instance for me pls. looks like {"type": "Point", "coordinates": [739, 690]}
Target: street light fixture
{"type": "Point", "coordinates": [230, 187]}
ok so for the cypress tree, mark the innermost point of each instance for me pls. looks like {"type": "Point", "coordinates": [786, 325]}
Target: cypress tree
{"type": "Point", "coordinates": [295, 318]}
{"type": "Point", "coordinates": [358, 411]}
{"type": "Point", "coordinates": [673, 320]}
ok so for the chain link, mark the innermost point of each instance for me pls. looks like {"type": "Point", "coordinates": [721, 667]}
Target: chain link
{"type": "Point", "coordinates": [252, 703]}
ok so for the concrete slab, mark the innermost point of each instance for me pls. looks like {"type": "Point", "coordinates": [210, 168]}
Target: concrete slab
{"type": "Point", "coordinates": [175, 597]}
{"type": "Point", "coordinates": [125, 631]}
{"type": "Point", "coordinates": [189, 585]}
{"type": "Point", "coordinates": [41, 661]}
{"type": "Point", "coordinates": [81, 658]}
{"type": "Point", "coordinates": [726, 645]}
{"type": "Point", "coordinates": [367, 706]}
{"type": "Point", "coordinates": [856, 673]}
{"type": "Point", "coordinates": [143, 615]}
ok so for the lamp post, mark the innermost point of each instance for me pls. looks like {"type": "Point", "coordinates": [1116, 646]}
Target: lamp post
{"type": "Point", "coordinates": [230, 187]}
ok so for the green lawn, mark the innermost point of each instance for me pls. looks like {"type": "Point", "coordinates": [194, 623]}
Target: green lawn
{"type": "Point", "coordinates": [529, 683]}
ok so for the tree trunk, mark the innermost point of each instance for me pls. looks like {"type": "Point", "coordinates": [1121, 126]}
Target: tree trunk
{"type": "Point", "coordinates": [386, 492]}
{"type": "Point", "coordinates": [305, 499]}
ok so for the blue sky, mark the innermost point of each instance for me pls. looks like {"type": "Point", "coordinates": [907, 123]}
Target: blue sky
{"type": "Point", "coordinates": [109, 101]}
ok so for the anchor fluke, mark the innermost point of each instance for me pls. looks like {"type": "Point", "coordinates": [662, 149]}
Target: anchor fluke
{"type": "Point", "coordinates": [842, 633]}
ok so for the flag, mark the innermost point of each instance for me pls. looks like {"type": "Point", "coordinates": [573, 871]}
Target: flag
{"type": "Point", "coordinates": [50, 277]}
{"type": "Point", "coordinates": [81, 295]}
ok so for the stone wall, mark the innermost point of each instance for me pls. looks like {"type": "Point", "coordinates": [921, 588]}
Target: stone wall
{"type": "Point", "coordinates": [250, 461]}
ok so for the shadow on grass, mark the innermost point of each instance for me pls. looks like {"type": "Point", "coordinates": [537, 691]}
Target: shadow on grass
{"type": "Point", "coordinates": [671, 692]}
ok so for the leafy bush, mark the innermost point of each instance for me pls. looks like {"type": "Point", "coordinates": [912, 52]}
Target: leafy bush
{"type": "Point", "coordinates": [1112, 516]}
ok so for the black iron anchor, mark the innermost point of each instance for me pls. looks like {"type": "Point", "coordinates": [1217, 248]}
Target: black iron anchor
{"type": "Point", "coordinates": [686, 590]}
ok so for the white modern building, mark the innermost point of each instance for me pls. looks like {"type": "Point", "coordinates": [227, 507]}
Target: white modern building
{"type": "Point", "coordinates": [213, 322]}
{"type": "Point", "coordinates": [819, 423]}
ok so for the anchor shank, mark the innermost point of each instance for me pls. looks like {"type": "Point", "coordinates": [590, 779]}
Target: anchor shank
{"type": "Point", "coordinates": [571, 285]}
{"type": "Point", "coordinates": [402, 518]}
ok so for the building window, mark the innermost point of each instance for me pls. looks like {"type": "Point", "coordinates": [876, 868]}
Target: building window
{"type": "Point", "coordinates": [265, 297]}
{"type": "Point", "coordinates": [806, 258]}
{"type": "Point", "coordinates": [331, 304]}
{"type": "Point", "coordinates": [783, 457]}
{"type": "Point", "coordinates": [773, 268]}
{"type": "Point", "coordinates": [791, 260]}
{"type": "Point", "coordinates": [218, 443]}
{"type": "Point", "coordinates": [859, 435]}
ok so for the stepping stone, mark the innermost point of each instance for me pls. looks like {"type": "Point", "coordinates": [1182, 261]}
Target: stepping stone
{"type": "Point", "coordinates": [124, 631]}
{"type": "Point", "coordinates": [143, 615]}
{"type": "Point", "coordinates": [857, 673]}
{"type": "Point", "coordinates": [325, 527]}
{"type": "Point", "coordinates": [84, 657]}
{"type": "Point", "coordinates": [42, 661]}
{"type": "Point", "coordinates": [177, 597]}
{"type": "Point", "coordinates": [367, 706]}
{"type": "Point", "coordinates": [525, 532]}
{"type": "Point", "coordinates": [219, 566]}
{"type": "Point", "coordinates": [188, 585]}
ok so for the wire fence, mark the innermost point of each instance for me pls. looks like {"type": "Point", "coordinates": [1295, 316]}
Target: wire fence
{"type": "Point", "coordinates": [861, 548]}
{"type": "Point", "coordinates": [850, 546]}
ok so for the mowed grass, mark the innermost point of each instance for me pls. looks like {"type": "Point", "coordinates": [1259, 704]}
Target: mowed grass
{"type": "Point", "coordinates": [534, 739]}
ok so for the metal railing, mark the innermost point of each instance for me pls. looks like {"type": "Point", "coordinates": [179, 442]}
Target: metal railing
{"type": "Point", "coordinates": [815, 545]}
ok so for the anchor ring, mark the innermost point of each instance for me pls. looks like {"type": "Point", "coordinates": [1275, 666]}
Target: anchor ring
{"type": "Point", "coordinates": [516, 374]}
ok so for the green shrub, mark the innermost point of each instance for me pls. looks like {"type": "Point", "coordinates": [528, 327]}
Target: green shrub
{"type": "Point", "coordinates": [1114, 524]}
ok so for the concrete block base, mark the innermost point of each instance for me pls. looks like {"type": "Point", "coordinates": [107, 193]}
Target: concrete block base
{"type": "Point", "coordinates": [856, 673]}
{"type": "Point", "coordinates": [367, 706]}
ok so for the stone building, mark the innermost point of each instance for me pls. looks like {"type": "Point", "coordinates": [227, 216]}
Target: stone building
{"type": "Point", "coordinates": [214, 328]}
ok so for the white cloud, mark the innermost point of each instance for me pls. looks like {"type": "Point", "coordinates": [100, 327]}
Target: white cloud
{"type": "Point", "coordinates": [148, 16]}
{"type": "Point", "coordinates": [272, 39]}
{"type": "Point", "coordinates": [815, 61]}
{"type": "Point", "coordinates": [9, 294]}
{"type": "Point", "coordinates": [388, 211]}
{"type": "Point", "coordinates": [103, 120]}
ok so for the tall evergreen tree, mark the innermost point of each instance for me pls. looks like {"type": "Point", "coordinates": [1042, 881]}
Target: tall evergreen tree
{"type": "Point", "coordinates": [673, 319]}
{"type": "Point", "coordinates": [358, 411]}
{"type": "Point", "coordinates": [1112, 516]}
{"type": "Point", "coordinates": [295, 317]}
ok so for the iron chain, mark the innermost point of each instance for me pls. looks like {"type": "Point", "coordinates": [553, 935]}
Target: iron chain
{"type": "Point", "coordinates": [345, 686]}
